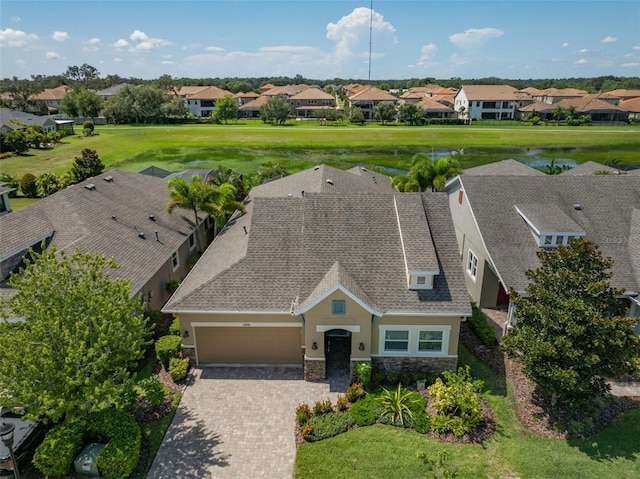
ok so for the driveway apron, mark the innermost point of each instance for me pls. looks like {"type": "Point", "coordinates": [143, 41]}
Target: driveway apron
{"type": "Point", "coordinates": [237, 423]}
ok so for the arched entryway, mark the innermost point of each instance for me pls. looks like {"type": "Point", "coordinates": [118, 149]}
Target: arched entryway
{"type": "Point", "coordinates": [337, 352]}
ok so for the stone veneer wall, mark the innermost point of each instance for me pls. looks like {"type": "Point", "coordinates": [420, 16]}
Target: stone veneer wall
{"type": "Point", "coordinates": [314, 370]}
{"type": "Point", "coordinates": [189, 353]}
{"type": "Point", "coordinates": [404, 364]}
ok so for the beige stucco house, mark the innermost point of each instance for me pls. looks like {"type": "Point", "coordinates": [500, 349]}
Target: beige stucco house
{"type": "Point", "coordinates": [116, 214]}
{"type": "Point", "coordinates": [505, 212]}
{"type": "Point", "coordinates": [328, 266]}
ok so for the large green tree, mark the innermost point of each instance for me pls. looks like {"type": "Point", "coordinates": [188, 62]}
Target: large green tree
{"type": "Point", "coordinates": [81, 102]}
{"type": "Point", "coordinates": [409, 113]}
{"type": "Point", "coordinates": [571, 332]}
{"type": "Point", "coordinates": [219, 201]}
{"type": "Point", "coordinates": [226, 109]}
{"type": "Point", "coordinates": [275, 110]}
{"type": "Point", "coordinates": [82, 334]}
{"type": "Point", "coordinates": [384, 112]}
{"type": "Point", "coordinates": [426, 173]}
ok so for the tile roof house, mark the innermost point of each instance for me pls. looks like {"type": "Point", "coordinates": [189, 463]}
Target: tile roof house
{"type": "Point", "coordinates": [632, 107]}
{"type": "Point", "coordinates": [486, 102]}
{"type": "Point", "coordinates": [503, 220]}
{"type": "Point", "coordinates": [432, 108]}
{"type": "Point", "coordinates": [368, 98]}
{"type": "Point", "coordinates": [310, 101]}
{"type": "Point", "coordinates": [52, 97]}
{"type": "Point", "coordinates": [200, 101]}
{"type": "Point", "coordinates": [116, 214]}
{"type": "Point", "coordinates": [325, 261]}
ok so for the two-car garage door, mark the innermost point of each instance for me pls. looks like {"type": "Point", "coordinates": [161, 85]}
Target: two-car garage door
{"type": "Point", "coordinates": [255, 345]}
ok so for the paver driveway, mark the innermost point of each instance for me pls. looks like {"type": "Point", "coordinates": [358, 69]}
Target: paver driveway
{"type": "Point", "coordinates": [237, 423]}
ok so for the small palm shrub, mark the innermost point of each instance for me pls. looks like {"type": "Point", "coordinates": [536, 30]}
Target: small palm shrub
{"type": "Point", "coordinates": [457, 403]}
{"type": "Point", "coordinates": [396, 405]}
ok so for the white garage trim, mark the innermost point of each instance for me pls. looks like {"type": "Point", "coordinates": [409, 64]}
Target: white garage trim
{"type": "Point", "coordinates": [235, 324]}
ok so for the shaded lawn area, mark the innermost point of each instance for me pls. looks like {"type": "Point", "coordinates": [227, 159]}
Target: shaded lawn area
{"type": "Point", "coordinates": [513, 452]}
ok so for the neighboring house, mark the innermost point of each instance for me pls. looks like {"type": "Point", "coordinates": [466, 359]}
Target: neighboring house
{"type": "Point", "coordinates": [116, 214]}
{"type": "Point", "coordinates": [310, 101]}
{"type": "Point", "coordinates": [486, 102]}
{"type": "Point", "coordinates": [503, 219]}
{"type": "Point", "coordinates": [632, 107]}
{"type": "Point", "coordinates": [5, 204]}
{"type": "Point", "coordinates": [599, 110]}
{"type": "Point", "coordinates": [328, 267]}
{"type": "Point", "coordinates": [252, 108]}
{"type": "Point", "coordinates": [554, 95]}
{"type": "Point", "coordinates": [201, 102]}
{"type": "Point", "coordinates": [591, 168]}
{"type": "Point", "coordinates": [11, 120]}
{"type": "Point", "coordinates": [432, 108]}
{"type": "Point", "coordinates": [51, 97]}
{"type": "Point", "coordinates": [107, 93]}
{"type": "Point", "coordinates": [368, 98]}
{"type": "Point", "coordinates": [244, 98]}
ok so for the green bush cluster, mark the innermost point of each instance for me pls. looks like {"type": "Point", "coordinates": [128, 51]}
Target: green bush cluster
{"type": "Point", "coordinates": [329, 425]}
{"type": "Point", "coordinates": [355, 392]}
{"type": "Point", "coordinates": [153, 390]}
{"type": "Point", "coordinates": [363, 373]}
{"type": "Point", "coordinates": [167, 347]}
{"type": "Point", "coordinates": [62, 444]}
{"type": "Point", "coordinates": [178, 368]}
{"type": "Point", "coordinates": [482, 329]}
{"type": "Point", "coordinates": [403, 377]}
{"type": "Point", "coordinates": [366, 411]}
{"type": "Point", "coordinates": [322, 407]}
{"type": "Point", "coordinates": [457, 403]}
{"type": "Point", "coordinates": [123, 438]}
{"type": "Point", "coordinates": [174, 327]}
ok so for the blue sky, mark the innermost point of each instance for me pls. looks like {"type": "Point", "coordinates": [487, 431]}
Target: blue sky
{"type": "Point", "coordinates": [322, 39]}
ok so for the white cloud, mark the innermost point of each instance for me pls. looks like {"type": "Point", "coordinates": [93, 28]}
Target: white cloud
{"type": "Point", "coordinates": [146, 43]}
{"type": "Point", "coordinates": [60, 36]}
{"type": "Point", "coordinates": [630, 65]}
{"type": "Point", "coordinates": [214, 49]}
{"type": "Point", "coordinates": [428, 52]}
{"type": "Point", "coordinates": [351, 33]}
{"type": "Point", "coordinates": [582, 61]}
{"type": "Point", "coordinates": [609, 39]}
{"type": "Point", "coordinates": [117, 60]}
{"type": "Point", "coordinates": [584, 51]}
{"type": "Point", "coordinates": [565, 45]}
{"type": "Point", "coordinates": [475, 37]}
{"type": "Point", "coordinates": [121, 43]}
{"type": "Point", "coordinates": [53, 56]}
{"type": "Point", "coordinates": [16, 38]}
{"type": "Point", "coordinates": [636, 47]}
{"type": "Point", "coordinates": [15, 18]}
{"type": "Point", "coordinates": [288, 49]}
{"type": "Point", "coordinates": [93, 41]}
{"type": "Point", "coordinates": [91, 45]}
{"type": "Point", "coordinates": [167, 62]}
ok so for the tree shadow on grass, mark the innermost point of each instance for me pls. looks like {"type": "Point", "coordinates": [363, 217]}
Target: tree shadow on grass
{"type": "Point", "coordinates": [189, 449]}
{"type": "Point", "coordinates": [618, 440]}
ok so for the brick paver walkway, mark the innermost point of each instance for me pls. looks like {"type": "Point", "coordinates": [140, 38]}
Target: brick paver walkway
{"type": "Point", "coordinates": [237, 423]}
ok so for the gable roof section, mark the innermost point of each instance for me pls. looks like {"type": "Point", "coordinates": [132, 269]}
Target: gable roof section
{"type": "Point", "coordinates": [312, 94]}
{"type": "Point", "coordinates": [589, 168]}
{"type": "Point", "coordinates": [372, 94]}
{"type": "Point", "coordinates": [489, 92]}
{"type": "Point", "coordinates": [287, 253]}
{"type": "Point", "coordinates": [605, 215]}
{"type": "Point", "coordinates": [106, 220]}
{"type": "Point", "coordinates": [208, 93]}
{"type": "Point", "coordinates": [8, 116]}
{"type": "Point", "coordinates": [503, 168]}
{"type": "Point", "coordinates": [587, 104]}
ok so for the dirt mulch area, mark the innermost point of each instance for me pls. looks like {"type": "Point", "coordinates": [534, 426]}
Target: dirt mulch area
{"type": "Point", "coordinates": [533, 409]}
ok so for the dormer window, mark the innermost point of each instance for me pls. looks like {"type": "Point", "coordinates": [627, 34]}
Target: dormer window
{"type": "Point", "coordinates": [549, 225]}
{"type": "Point", "coordinates": [421, 280]}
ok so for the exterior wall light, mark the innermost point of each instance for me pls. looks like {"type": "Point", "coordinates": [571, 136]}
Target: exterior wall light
{"type": "Point", "coordinates": [314, 346]}
{"type": "Point", "coordinates": [185, 334]}
{"type": "Point", "coordinates": [361, 347]}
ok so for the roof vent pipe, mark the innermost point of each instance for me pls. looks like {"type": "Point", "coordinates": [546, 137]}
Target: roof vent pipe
{"type": "Point", "coordinates": [141, 235]}
{"type": "Point", "coordinates": [152, 217]}
{"type": "Point", "coordinates": [157, 237]}
{"type": "Point", "coordinates": [245, 230]}
{"type": "Point", "coordinates": [302, 193]}
{"type": "Point", "coordinates": [113, 217]}
{"type": "Point", "coordinates": [577, 207]}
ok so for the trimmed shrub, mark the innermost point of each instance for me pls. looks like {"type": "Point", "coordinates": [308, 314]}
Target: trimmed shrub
{"type": "Point", "coordinates": [28, 185]}
{"type": "Point", "coordinates": [178, 368]}
{"type": "Point", "coordinates": [174, 328]}
{"type": "Point", "coordinates": [354, 393]}
{"type": "Point", "coordinates": [123, 438]}
{"type": "Point", "coordinates": [421, 422]}
{"type": "Point", "coordinates": [88, 127]}
{"type": "Point", "coordinates": [167, 347]}
{"type": "Point", "coordinates": [329, 425]}
{"type": "Point", "coordinates": [61, 445]}
{"type": "Point", "coordinates": [366, 411]}
{"type": "Point", "coordinates": [481, 328]}
{"type": "Point", "coordinates": [341, 403]}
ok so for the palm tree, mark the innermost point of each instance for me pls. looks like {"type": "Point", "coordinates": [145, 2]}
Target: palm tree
{"type": "Point", "coordinates": [197, 196]}
{"type": "Point", "coordinates": [427, 173]}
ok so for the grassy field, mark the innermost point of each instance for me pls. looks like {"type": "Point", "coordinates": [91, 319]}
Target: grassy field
{"type": "Point", "coordinates": [387, 452]}
{"type": "Point", "coordinates": [247, 145]}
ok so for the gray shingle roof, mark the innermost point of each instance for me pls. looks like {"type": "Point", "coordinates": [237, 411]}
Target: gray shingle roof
{"type": "Point", "coordinates": [107, 220]}
{"type": "Point", "coordinates": [297, 248]}
{"type": "Point", "coordinates": [607, 216]}
{"type": "Point", "coordinates": [589, 168]}
{"type": "Point", "coordinates": [503, 168]}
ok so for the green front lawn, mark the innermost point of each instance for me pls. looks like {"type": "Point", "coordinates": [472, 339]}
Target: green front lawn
{"type": "Point", "coordinates": [513, 452]}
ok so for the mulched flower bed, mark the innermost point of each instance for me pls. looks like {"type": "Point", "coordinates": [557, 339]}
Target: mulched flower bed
{"type": "Point", "coordinates": [533, 409]}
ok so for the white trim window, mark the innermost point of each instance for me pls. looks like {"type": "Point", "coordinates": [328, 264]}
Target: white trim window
{"type": "Point", "coordinates": [415, 340]}
{"type": "Point", "coordinates": [472, 264]}
{"type": "Point", "coordinates": [192, 241]}
{"type": "Point", "coordinates": [175, 260]}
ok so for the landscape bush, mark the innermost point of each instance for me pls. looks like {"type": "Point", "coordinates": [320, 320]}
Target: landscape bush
{"type": "Point", "coordinates": [174, 328]}
{"type": "Point", "coordinates": [178, 368]}
{"type": "Point", "coordinates": [123, 439]}
{"type": "Point", "coordinates": [152, 388]}
{"type": "Point", "coordinates": [366, 412]}
{"type": "Point", "coordinates": [28, 185]}
{"type": "Point", "coordinates": [482, 329]}
{"type": "Point", "coordinates": [303, 413]}
{"type": "Point", "coordinates": [421, 422]}
{"type": "Point", "coordinates": [61, 445]}
{"type": "Point", "coordinates": [398, 405]}
{"type": "Point", "coordinates": [167, 347]}
{"type": "Point", "coordinates": [322, 407]}
{"type": "Point", "coordinates": [355, 392]}
{"type": "Point", "coordinates": [341, 403]}
{"type": "Point", "coordinates": [329, 425]}
{"type": "Point", "coordinates": [363, 373]}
